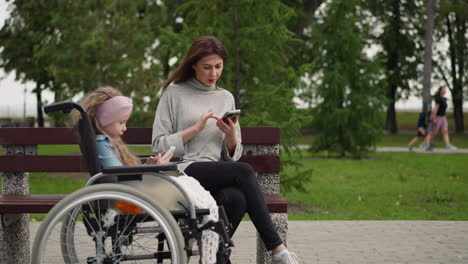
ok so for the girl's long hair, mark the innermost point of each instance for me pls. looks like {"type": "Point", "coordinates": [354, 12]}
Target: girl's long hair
{"type": "Point", "coordinates": [90, 103]}
{"type": "Point", "coordinates": [201, 47]}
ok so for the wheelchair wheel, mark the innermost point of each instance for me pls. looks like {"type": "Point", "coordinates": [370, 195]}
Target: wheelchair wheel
{"type": "Point", "coordinates": [108, 223]}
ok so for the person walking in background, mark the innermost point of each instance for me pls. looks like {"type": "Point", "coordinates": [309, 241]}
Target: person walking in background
{"type": "Point", "coordinates": [423, 132]}
{"type": "Point", "coordinates": [439, 119]}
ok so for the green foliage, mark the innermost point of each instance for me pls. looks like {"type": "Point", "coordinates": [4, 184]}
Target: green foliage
{"type": "Point", "coordinates": [400, 38]}
{"type": "Point", "coordinates": [347, 117]}
{"type": "Point", "coordinates": [83, 45]}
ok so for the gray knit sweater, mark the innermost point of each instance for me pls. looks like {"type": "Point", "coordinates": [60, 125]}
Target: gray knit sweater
{"type": "Point", "coordinates": [180, 107]}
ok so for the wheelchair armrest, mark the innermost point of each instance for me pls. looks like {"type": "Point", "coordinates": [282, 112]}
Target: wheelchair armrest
{"type": "Point", "coordinates": [143, 158]}
{"type": "Point", "coordinates": [140, 169]}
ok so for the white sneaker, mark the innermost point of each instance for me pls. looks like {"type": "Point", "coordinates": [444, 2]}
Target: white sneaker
{"type": "Point", "coordinates": [450, 147]}
{"type": "Point", "coordinates": [287, 258]}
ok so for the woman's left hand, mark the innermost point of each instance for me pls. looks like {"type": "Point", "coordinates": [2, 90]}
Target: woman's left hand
{"type": "Point", "coordinates": [228, 129]}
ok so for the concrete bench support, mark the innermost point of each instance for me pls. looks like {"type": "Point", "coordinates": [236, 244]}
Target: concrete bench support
{"type": "Point", "coordinates": [14, 228]}
{"type": "Point", "coordinates": [270, 184]}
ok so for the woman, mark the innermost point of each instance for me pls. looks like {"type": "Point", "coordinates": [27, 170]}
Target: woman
{"type": "Point", "coordinates": [439, 119]}
{"type": "Point", "coordinates": [187, 117]}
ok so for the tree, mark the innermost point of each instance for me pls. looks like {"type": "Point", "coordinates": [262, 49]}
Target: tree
{"type": "Point", "coordinates": [400, 21]}
{"type": "Point", "coordinates": [86, 44]}
{"type": "Point", "coordinates": [428, 39]}
{"type": "Point", "coordinates": [450, 64]}
{"type": "Point", "coordinates": [23, 33]}
{"type": "Point", "coordinates": [347, 116]}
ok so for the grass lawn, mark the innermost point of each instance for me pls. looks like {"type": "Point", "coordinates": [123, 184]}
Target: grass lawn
{"type": "Point", "coordinates": [461, 141]}
{"type": "Point", "coordinates": [387, 186]}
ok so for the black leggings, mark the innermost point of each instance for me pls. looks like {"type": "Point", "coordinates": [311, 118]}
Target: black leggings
{"type": "Point", "coordinates": [234, 185]}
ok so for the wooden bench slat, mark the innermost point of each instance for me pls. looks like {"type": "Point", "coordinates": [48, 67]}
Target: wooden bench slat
{"type": "Point", "coordinates": [42, 203]}
{"type": "Point", "coordinates": [134, 135]}
{"type": "Point", "coordinates": [30, 203]}
{"type": "Point", "coordinates": [75, 163]}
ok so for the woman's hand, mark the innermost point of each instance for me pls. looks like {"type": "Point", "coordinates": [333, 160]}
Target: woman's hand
{"type": "Point", "coordinates": [157, 159]}
{"type": "Point", "coordinates": [201, 123]}
{"type": "Point", "coordinates": [229, 131]}
{"type": "Point", "coordinates": [189, 133]}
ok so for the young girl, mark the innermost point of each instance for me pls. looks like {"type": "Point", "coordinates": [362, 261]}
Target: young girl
{"type": "Point", "coordinates": [109, 112]}
{"type": "Point", "coordinates": [188, 117]}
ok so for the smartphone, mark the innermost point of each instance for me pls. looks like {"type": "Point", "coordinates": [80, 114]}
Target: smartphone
{"type": "Point", "coordinates": [230, 114]}
{"type": "Point", "coordinates": [168, 152]}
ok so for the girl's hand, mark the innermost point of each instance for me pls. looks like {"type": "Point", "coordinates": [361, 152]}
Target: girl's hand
{"type": "Point", "coordinates": [157, 159]}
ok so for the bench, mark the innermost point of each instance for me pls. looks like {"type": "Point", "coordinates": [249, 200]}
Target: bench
{"type": "Point", "coordinates": [261, 151]}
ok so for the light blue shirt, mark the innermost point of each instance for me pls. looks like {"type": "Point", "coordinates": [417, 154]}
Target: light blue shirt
{"type": "Point", "coordinates": [106, 153]}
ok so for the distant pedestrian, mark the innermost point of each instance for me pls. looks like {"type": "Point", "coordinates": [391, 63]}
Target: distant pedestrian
{"type": "Point", "coordinates": [439, 119]}
{"type": "Point", "coordinates": [422, 127]}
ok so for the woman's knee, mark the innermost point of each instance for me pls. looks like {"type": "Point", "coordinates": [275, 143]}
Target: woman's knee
{"type": "Point", "coordinates": [246, 172]}
{"type": "Point", "coordinates": [231, 197]}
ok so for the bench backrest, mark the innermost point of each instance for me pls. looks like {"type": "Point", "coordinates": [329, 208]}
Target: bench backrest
{"type": "Point", "coordinates": [34, 162]}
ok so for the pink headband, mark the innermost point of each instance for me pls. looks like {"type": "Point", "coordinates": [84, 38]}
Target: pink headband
{"type": "Point", "coordinates": [113, 110]}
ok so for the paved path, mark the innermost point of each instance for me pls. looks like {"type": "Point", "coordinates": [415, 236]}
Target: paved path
{"type": "Point", "coordinates": [364, 242]}
{"type": "Point", "coordinates": [415, 150]}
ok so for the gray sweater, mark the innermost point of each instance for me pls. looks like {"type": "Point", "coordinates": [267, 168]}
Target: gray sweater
{"type": "Point", "coordinates": [180, 107]}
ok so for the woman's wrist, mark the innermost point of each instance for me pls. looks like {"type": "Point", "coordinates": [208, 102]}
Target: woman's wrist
{"type": "Point", "coordinates": [231, 142]}
{"type": "Point", "coordinates": [189, 133]}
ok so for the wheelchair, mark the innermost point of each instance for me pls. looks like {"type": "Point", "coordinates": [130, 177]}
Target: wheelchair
{"type": "Point", "coordinates": [127, 214]}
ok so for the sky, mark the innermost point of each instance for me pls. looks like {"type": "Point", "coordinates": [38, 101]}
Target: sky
{"type": "Point", "coordinates": [14, 101]}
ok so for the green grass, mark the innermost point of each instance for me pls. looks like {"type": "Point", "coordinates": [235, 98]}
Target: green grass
{"type": "Point", "coordinates": [387, 186]}
{"type": "Point", "coordinates": [408, 120]}
{"type": "Point", "coordinates": [461, 141]}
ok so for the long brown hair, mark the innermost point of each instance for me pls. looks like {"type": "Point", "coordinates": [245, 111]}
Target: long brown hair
{"type": "Point", "coordinates": [201, 47]}
{"type": "Point", "coordinates": [90, 103]}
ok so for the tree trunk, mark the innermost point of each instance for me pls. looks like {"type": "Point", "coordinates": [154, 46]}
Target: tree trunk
{"type": "Point", "coordinates": [427, 70]}
{"type": "Point", "coordinates": [391, 123]}
{"type": "Point", "coordinates": [308, 7]}
{"type": "Point", "coordinates": [237, 74]}
{"type": "Point", "coordinates": [40, 117]}
{"type": "Point", "coordinates": [393, 71]}
{"type": "Point", "coordinates": [456, 50]}
{"type": "Point", "coordinates": [458, 114]}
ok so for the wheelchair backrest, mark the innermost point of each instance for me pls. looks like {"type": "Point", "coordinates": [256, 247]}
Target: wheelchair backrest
{"type": "Point", "coordinates": [87, 141]}
{"type": "Point", "coordinates": [85, 133]}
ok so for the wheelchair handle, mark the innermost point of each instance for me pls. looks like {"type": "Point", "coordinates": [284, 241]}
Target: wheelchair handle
{"type": "Point", "coordinates": [66, 107]}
